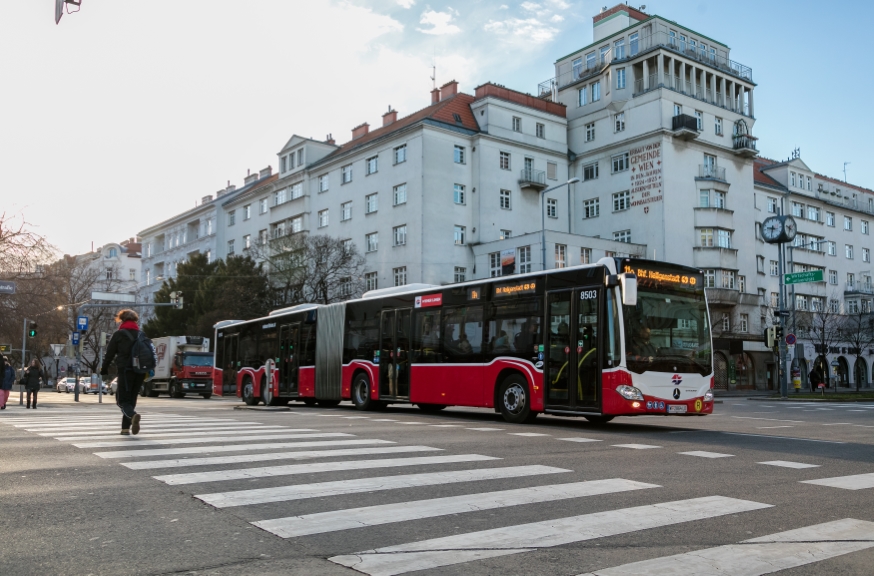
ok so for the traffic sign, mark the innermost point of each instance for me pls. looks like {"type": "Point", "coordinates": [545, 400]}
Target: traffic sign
{"type": "Point", "coordinates": [801, 277]}
{"type": "Point", "coordinates": [82, 324]}
{"type": "Point", "coordinates": [7, 287]}
{"type": "Point", "coordinates": [57, 350]}
{"type": "Point", "coordinates": [75, 338]}
{"type": "Point", "coordinates": [790, 339]}
{"type": "Point", "coordinates": [5, 347]}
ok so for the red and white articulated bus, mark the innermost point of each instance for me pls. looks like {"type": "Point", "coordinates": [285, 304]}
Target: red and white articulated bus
{"type": "Point", "coordinates": [623, 337]}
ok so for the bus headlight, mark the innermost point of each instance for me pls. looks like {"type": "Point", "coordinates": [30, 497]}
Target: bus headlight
{"type": "Point", "coordinates": [708, 396]}
{"type": "Point", "coordinates": [629, 392]}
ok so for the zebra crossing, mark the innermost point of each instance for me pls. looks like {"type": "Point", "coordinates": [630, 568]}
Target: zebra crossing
{"type": "Point", "coordinates": [210, 451]}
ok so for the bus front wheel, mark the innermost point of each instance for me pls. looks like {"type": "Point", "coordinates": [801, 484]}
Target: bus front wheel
{"type": "Point", "coordinates": [514, 400]}
{"type": "Point", "coordinates": [361, 393]}
{"type": "Point", "coordinates": [598, 419]}
{"type": "Point", "coordinates": [249, 392]}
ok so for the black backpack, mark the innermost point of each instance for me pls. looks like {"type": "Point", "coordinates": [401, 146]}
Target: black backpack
{"type": "Point", "coordinates": [142, 353]}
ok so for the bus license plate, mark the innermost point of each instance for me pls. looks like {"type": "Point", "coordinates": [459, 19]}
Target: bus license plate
{"type": "Point", "coordinates": [676, 409]}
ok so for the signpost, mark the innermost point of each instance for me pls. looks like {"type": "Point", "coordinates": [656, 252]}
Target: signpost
{"type": "Point", "coordinates": [82, 323]}
{"type": "Point", "coordinates": [7, 287]}
{"type": "Point", "coordinates": [4, 348]}
{"type": "Point", "coordinates": [802, 277]}
{"type": "Point", "coordinates": [75, 338]}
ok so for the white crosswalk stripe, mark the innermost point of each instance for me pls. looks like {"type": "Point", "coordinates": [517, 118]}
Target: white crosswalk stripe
{"type": "Point", "coordinates": [185, 433]}
{"type": "Point", "coordinates": [233, 448]}
{"type": "Point", "coordinates": [703, 454]}
{"type": "Point", "coordinates": [461, 548]}
{"type": "Point", "coordinates": [854, 482]}
{"type": "Point", "coordinates": [763, 555]}
{"type": "Point", "coordinates": [33, 426]}
{"type": "Point", "coordinates": [156, 429]}
{"type": "Point", "coordinates": [326, 489]}
{"type": "Point", "coordinates": [787, 464]}
{"type": "Point", "coordinates": [271, 471]}
{"type": "Point", "coordinates": [419, 509]}
{"type": "Point", "coordinates": [579, 439]}
{"type": "Point", "coordinates": [134, 441]}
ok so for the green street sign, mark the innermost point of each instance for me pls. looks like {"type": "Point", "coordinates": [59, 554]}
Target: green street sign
{"type": "Point", "coordinates": [801, 277]}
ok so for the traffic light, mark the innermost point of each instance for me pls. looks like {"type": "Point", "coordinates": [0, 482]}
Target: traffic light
{"type": "Point", "coordinates": [770, 336]}
{"type": "Point", "coordinates": [176, 298]}
{"type": "Point", "coordinates": [31, 332]}
{"type": "Point", "coordinates": [778, 334]}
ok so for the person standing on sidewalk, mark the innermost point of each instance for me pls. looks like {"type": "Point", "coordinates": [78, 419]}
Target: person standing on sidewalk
{"type": "Point", "coordinates": [7, 380]}
{"type": "Point", "coordinates": [32, 380]}
{"type": "Point", "coordinates": [129, 382]}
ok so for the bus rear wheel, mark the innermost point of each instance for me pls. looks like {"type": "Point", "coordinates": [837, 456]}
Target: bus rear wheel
{"type": "Point", "coordinates": [431, 407]}
{"type": "Point", "coordinates": [329, 403]}
{"type": "Point", "coordinates": [249, 392]}
{"type": "Point", "coordinates": [514, 400]}
{"type": "Point", "coordinates": [598, 419]}
{"type": "Point", "coordinates": [361, 393]}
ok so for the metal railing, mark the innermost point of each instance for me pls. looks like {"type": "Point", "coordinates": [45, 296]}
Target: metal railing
{"type": "Point", "coordinates": [744, 141]}
{"type": "Point", "coordinates": [710, 171]}
{"type": "Point", "coordinates": [684, 122]}
{"type": "Point", "coordinates": [532, 176]}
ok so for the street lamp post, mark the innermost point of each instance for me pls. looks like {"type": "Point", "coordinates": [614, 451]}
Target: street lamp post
{"type": "Point", "coordinates": [543, 220]}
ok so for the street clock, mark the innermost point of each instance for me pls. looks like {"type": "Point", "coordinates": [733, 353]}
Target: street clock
{"type": "Point", "coordinates": [779, 229]}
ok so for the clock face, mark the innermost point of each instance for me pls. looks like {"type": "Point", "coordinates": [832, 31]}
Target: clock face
{"type": "Point", "coordinates": [772, 228]}
{"type": "Point", "coordinates": [789, 227]}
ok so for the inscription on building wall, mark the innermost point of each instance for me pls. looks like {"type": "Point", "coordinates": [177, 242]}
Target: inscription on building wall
{"type": "Point", "coordinates": [646, 174]}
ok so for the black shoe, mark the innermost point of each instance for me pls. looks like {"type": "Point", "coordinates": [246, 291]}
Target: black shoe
{"type": "Point", "coordinates": [28, 406]}
{"type": "Point", "coordinates": [135, 424]}
{"type": "Point", "coordinates": [34, 406]}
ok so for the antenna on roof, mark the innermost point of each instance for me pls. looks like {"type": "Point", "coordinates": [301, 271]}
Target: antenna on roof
{"type": "Point", "coordinates": [433, 75]}
{"type": "Point", "coordinates": [845, 170]}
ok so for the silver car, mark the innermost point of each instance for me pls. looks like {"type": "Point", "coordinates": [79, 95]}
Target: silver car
{"type": "Point", "coordinates": [68, 385]}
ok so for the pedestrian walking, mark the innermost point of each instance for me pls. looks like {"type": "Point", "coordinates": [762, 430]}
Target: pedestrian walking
{"type": "Point", "coordinates": [119, 349]}
{"type": "Point", "coordinates": [7, 380]}
{"type": "Point", "coordinates": [32, 381]}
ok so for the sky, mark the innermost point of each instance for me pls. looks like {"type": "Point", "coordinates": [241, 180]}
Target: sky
{"type": "Point", "coordinates": [127, 113]}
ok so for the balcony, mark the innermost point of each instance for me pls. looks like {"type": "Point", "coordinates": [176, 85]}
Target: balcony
{"type": "Point", "coordinates": [684, 127]}
{"type": "Point", "coordinates": [531, 178]}
{"type": "Point", "coordinates": [711, 172]}
{"type": "Point", "coordinates": [745, 145]}
{"type": "Point", "coordinates": [722, 296]}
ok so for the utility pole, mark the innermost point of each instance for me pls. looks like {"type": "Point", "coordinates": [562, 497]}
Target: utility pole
{"type": "Point", "coordinates": [23, 363]}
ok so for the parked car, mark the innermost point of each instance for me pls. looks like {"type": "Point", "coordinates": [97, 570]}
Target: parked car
{"type": "Point", "coordinates": [68, 385]}
{"type": "Point", "coordinates": [113, 386]}
{"type": "Point", "coordinates": [93, 386]}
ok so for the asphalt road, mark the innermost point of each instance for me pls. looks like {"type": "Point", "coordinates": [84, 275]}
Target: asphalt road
{"type": "Point", "coordinates": [756, 488]}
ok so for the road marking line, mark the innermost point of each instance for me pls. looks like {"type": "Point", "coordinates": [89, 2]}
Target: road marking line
{"type": "Point", "coordinates": [115, 422]}
{"type": "Point", "coordinates": [356, 417]}
{"type": "Point", "coordinates": [159, 429]}
{"type": "Point", "coordinates": [310, 454]}
{"type": "Point", "coordinates": [772, 427]}
{"type": "Point", "coordinates": [780, 551]}
{"type": "Point", "coordinates": [320, 523]}
{"type": "Point", "coordinates": [787, 464]}
{"type": "Point", "coordinates": [135, 441]}
{"type": "Point", "coordinates": [579, 439]}
{"type": "Point", "coordinates": [358, 485]}
{"type": "Point", "coordinates": [769, 419]}
{"type": "Point", "coordinates": [528, 434]}
{"type": "Point", "coordinates": [233, 448]}
{"type": "Point", "coordinates": [150, 433]}
{"type": "Point", "coordinates": [411, 423]}
{"type": "Point", "coordinates": [461, 548]}
{"type": "Point", "coordinates": [445, 425]}
{"type": "Point", "coordinates": [854, 482]}
{"type": "Point", "coordinates": [384, 420]}
{"type": "Point", "coordinates": [704, 454]}
{"type": "Point", "coordinates": [782, 437]}
{"type": "Point", "coordinates": [636, 446]}
{"type": "Point", "coordinates": [291, 469]}
{"type": "Point", "coordinates": [485, 429]}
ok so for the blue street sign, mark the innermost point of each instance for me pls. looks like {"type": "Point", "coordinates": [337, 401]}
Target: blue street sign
{"type": "Point", "coordinates": [75, 338]}
{"type": "Point", "coordinates": [82, 323]}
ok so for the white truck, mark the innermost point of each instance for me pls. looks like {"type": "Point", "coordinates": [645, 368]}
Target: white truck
{"type": "Point", "coordinates": [185, 366]}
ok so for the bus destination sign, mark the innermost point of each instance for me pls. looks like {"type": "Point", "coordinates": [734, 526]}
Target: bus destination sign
{"type": "Point", "coordinates": [651, 276]}
{"type": "Point", "coordinates": [511, 289]}
{"type": "Point", "coordinates": [428, 300]}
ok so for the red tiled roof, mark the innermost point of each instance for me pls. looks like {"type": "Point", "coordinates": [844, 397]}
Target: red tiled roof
{"type": "Point", "coordinates": [843, 184]}
{"type": "Point", "coordinates": [760, 177]}
{"type": "Point", "coordinates": [636, 14]}
{"type": "Point", "coordinates": [498, 91]}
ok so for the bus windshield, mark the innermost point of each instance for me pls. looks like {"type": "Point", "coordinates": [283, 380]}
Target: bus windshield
{"type": "Point", "coordinates": [668, 330]}
{"type": "Point", "coordinates": [196, 360]}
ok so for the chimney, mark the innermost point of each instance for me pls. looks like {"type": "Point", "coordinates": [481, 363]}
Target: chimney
{"type": "Point", "coordinates": [448, 89]}
{"type": "Point", "coordinates": [330, 140]}
{"type": "Point", "coordinates": [435, 95]}
{"type": "Point", "coordinates": [360, 130]}
{"type": "Point", "coordinates": [264, 173]}
{"type": "Point", "coordinates": [389, 117]}
{"type": "Point", "coordinates": [249, 177]}
{"type": "Point", "coordinates": [206, 199]}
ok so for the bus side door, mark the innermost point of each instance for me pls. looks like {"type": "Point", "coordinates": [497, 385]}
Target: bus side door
{"type": "Point", "coordinates": [229, 370]}
{"type": "Point", "coordinates": [572, 370]}
{"type": "Point", "coordinates": [289, 345]}
{"type": "Point", "coordinates": [395, 333]}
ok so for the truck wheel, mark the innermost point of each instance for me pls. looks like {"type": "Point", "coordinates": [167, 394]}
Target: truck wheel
{"type": "Point", "coordinates": [515, 401]}
{"type": "Point", "coordinates": [149, 392]}
{"type": "Point", "coordinates": [361, 393]}
{"type": "Point", "coordinates": [173, 390]}
{"type": "Point", "coordinates": [249, 392]}
{"type": "Point", "coordinates": [206, 396]}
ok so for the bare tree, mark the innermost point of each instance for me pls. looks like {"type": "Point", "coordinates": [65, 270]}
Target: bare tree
{"type": "Point", "coordinates": [22, 250]}
{"type": "Point", "coordinates": [825, 328]}
{"type": "Point", "coordinates": [858, 331]}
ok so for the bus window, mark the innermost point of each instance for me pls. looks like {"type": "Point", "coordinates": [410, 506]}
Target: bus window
{"type": "Point", "coordinates": [361, 338]}
{"type": "Point", "coordinates": [514, 330]}
{"type": "Point", "coordinates": [247, 357]}
{"type": "Point", "coordinates": [613, 346]}
{"type": "Point", "coordinates": [463, 334]}
{"type": "Point", "coordinates": [308, 345]}
{"type": "Point", "coordinates": [268, 346]}
{"type": "Point", "coordinates": [426, 345]}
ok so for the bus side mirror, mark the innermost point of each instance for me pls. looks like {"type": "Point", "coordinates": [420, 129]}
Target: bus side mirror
{"type": "Point", "coordinates": [628, 281]}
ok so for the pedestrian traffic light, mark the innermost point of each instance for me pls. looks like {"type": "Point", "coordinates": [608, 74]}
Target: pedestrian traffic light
{"type": "Point", "coordinates": [31, 332]}
{"type": "Point", "coordinates": [770, 336]}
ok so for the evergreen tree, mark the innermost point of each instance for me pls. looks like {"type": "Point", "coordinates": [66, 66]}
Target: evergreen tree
{"type": "Point", "coordinates": [191, 276]}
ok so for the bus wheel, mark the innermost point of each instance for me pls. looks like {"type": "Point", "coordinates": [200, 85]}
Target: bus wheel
{"type": "Point", "coordinates": [514, 400]}
{"type": "Point", "coordinates": [598, 419]}
{"type": "Point", "coordinates": [431, 407]}
{"type": "Point", "coordinates": [249, 393]}
{"type": "Point", "coordinates": [361, 393]}
{"type": "Point", "coordinates": [329, 403]}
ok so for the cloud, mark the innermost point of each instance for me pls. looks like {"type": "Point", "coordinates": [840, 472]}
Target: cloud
{"type": "Point", "coordinates": [531, 6]}
{"type": "Point", "coordinates": [440, 22]}
{"type": "Point", "coordinates": [522, 30]}
{"type": "Point", "coordinates": [557, 18]}
{"type": "Point", "coordinates": [406, 3]}
{"type": "Point", "coordinates": [558, 4]}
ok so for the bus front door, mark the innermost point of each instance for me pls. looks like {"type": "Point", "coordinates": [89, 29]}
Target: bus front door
{"type": "Point", "coordinates": [572, 370]}
{"type": "Point", "coordinates": [288, 361]}
{"type": "Point", "coordinates": [231, 364]}
{"type": "Point", "coordinates": [394, 354]}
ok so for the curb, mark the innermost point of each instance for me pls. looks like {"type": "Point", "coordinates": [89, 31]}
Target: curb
{"type": "Point", "coordinates": [790, 399]}
{"type": "Point", "coordinates": [264, 408]}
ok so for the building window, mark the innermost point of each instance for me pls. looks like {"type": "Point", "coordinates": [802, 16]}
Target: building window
{"type": "Point", "coordinates": [699, 118]}
{"type": "Point", "coordinates": [296, 191]}
{"type": "Point", "coordinates": [458, 235]}
{"type": "Point", "coordinates": [622, 236]}
{"type": "Point", "coordinates": [399, 235]}
{"type": "Point", "coordinates": [620, 78]}
{"type": "Point", "coordinates": [619, 49]}
{"type": "Point", "coordinates": [230, 247]}
{"type": "Point", "coordinates": [346, 174]}
{"type": "Point", "coordinates": [232, 217]}
{"type": "Point", "coordinates": [723, 238]}
{"type": "Point", "coordinates": [247, 241]}
{"type": "Point", "coordinates": [744, 323]}
{"type": "Point", "coordinates": [775, 268]}
{"type": "Point", "coordinates": [278, 230]}
{"type": "Point", "coordinates": [792, 178]}
{"type": "Point", "coordinates": [772, 205]}
{"type": "Point", "coordinates": [583, 97]}
{"type": "Point", "coordinates": [560, 256]}
{"type": "Point", "coordinates": [852, 306]}
{"type": "Point", "coordinates": [590, 132]}
{"type": "Point", "coordinates": [346, 211]}
{"type": "Point", "coordinates": [517, 124]}
{"type": "Point", "coordinates": [247, 211]}
{"type": "Point", "coordinates": [760, 264]}
{"type": "Point", "coordinates": [848, 249]}
{"type": "Point", "coordinates": [816, 303]}
{"type": "Point", "coordinates": [809, 183]}
{"type": "Point", "coordinates": [505, 199]}
{"type": "Point", "coordinates": [458, 194]}
{"type": "Point", "coordinates": [399, 194]}
{"type": "Point", "coordinates": [742, 283]}
{"type": "Point", "coordinates": [400, 275]}
{"type": "Point", "coordinates": [458, 154]}
{"type": "Point", "coordinates": [710, 278]}
{"type": "Point", "coordinates": [323, 183]}
{"type": "Point", "coordinates": [591, 208]}
{"type": "Point", "coordinates": [460, 274]}
{"type": "Point", "coordinates": [524, 259]}
{"type": "Point", "coordinates": [832, 248]}
{"type": "Point", "coordinates": [494, 264]}
{"type": "Point", "coordinates": [728, 279]}
{"type": "Point", "coordinates": [813, 213]}
{"type": "Point", "coordinates": [864, 227]}
{"type": "Point", "coordinates": [323, 218]}
{"type": "Point", "coordinates": [262, 237]}
{"type": "Point", "coordinates": [505, 161]}
{"type": "Point", "coordinates": [504, 234]}
{"type": "Point", "coordinates": [585, 255]}
{"type": "Point", "coordinates": [775, 299]}
{"type": "Point", "coordinates": [590, 172]}
{"type": "Point", "coordinates": [370, 281]}
{"type": "Point", "coordinates": [371, 203]}
{"type": "Point", "coordinates": [552, 170]}
{"type": "Point", "coordinates": [262, 206]}
{"type": "Point", "coordinates": [619, 122]}
{"type": "Point", "coordinates": [297, 225]}
{"type": "Point", "coordinates": [633, 44]}
{"type": "Point", "coordinates": [866, 255]}
{"type": "Point", "coordinates": [401, 154]}
{"type": "Point", "coordinates": [540, 130]}
{"type": "Point", "coordinates": [620, 162]}
{"type": "Point", "coordinates": [830, 219]}
{"type": "Point", "coordinates": [706, 237]}
{"type": "Point", "coordinates": [596, 91]}
{"type": "Point", "coordinates": [833, 277]}
{"type": "Point", "coordinates": [371, 242]}
{"type": "Point", "coordinates": [834, 306]}
{"type": "Point", "coordinates": [848, 223]}
{"type": "Point", "coordinates": [621, 201]}
{"type": "Point", "coordinates": [552, 207]}
{"type": "Point", "coordinates": [300, 157]}
{"type": "Point", "coordinates": [717, 128]}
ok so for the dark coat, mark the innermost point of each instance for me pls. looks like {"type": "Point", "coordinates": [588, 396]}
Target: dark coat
{"type": "Point", "coordinates": [119, 349]}
{"type": "Point", "coordinates": [8, 378]}
{"type": "Point", "coordinates": [32, 378]}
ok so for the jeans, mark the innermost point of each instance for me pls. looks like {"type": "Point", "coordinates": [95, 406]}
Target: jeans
{"type": "Point", "coordinates": [34, 392]}
{"type": "Point", "coordinates": [129, 383]}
